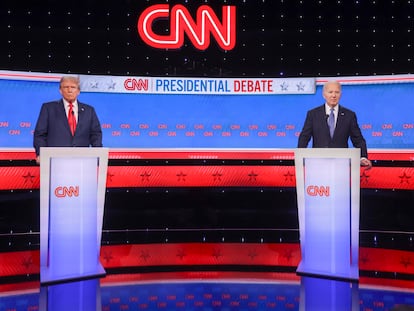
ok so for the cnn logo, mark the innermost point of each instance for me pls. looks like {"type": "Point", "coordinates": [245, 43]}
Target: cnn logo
{"type": "Point", "coordinates": [181, 22]}
{"type": "Point", "coordinates": [131, 84]}
{"type": "Point", "coordinates": [322, 191]}
{"type": "Point", "coordinates": [63, 191]}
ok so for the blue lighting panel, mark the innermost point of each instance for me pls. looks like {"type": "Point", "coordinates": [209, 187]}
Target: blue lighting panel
{"type": "Point", "coordinates": [211, 121]}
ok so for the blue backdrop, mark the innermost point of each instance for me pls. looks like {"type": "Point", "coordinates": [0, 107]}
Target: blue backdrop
{"type": "Point", "coordinates": [211, 121]}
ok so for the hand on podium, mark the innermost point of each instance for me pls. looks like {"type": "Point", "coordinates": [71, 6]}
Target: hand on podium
{"type": "Point", "coordinates": [366, 163]}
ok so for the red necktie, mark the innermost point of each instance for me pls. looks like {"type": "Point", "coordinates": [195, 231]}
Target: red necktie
{"type": "Point", "coordinates": [71, 119]}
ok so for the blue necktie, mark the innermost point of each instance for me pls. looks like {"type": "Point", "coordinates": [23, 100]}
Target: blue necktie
{"type": "Point", "coordinates": [331, 122]}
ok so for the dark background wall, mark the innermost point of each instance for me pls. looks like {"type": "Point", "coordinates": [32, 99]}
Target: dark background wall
{"type": "Point", "coordinates": [274, 38]}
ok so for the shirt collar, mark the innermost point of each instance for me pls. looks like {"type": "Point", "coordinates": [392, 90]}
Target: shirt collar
{"type": "Point", "coordinates": [328, 109]}
{"type": "Point", "coordinates": [66, 103]}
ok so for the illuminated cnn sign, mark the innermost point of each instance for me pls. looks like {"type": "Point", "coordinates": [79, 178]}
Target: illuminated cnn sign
{"type": "Point", "coordinates": [63, 191]}
{"type": "Point", "coordinates": [182, 23]}
{"type": "Point", "coordinates": [318, 191]}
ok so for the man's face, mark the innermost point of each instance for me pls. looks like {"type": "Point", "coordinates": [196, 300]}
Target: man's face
{"type": "Point", "coordinates": [332, 94]}
{"type": "Point", "coordinates": [69, 90]}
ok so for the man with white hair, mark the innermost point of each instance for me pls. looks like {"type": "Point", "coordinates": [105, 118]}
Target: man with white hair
{"type": "Point", "coordinates": [332, 125]}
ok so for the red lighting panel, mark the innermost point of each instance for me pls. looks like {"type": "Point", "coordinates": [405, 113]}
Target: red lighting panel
{"type": "Point", "coordinates": [224, 175]}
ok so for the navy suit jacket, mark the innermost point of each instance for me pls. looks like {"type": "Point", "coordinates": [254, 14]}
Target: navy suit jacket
{"type": "Point", "coordinates": [316, 127]}
{"type": "Point", "coordinates": [52, 127]}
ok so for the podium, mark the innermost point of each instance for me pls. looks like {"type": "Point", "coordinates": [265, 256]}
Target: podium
{"type": "Point", "coordinates": [328, 194]}
{"type": "Point", "coordinates": [72, 197]}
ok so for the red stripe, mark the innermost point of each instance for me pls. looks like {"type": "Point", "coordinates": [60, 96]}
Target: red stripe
{"type": "Point", "coordinates": [14, 178]}
{"type": "Point", "coordinates": [247, 154]}
{"type": "Point", "coordinates": [30, 76]}
{"type": "Point", "coordinates": [18, 177]}
{"type": "Point", "coordinates": [187, 254]}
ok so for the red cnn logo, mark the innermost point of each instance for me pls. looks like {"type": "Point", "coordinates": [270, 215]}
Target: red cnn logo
{"type": "Point", "coordinates": [181, 22]}
{"type": "Point", "coordinates": [131, 84]}
{"type": "Point", "coordinates": [318, 191]}
{"type": "Point", "coordinates": [62, 192]}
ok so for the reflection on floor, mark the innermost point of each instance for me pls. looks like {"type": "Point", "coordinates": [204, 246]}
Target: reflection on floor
{"type": "Point", "coordinates": [207, 291]}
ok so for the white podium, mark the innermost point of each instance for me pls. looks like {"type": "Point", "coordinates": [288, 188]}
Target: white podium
{"type": "Point", "coordinates": [72, 197]}
{"type": "Point", "coordinates": [328, 194]}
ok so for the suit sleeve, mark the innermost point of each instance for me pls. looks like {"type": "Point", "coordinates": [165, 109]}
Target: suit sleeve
{"type": "Point", "coordinates": [41, 130]}
{"type": "Point", "coordinates": [95, 136]}
{"type": "Point", "coordinates": [357, 138]}
{"type": "Point", "coordinates": [307, 132]}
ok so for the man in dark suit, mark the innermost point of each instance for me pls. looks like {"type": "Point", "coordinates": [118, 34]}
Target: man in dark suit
{"type": "Point", "coordinates": [344, 125]}
{"type": "Point", "coordinates": [53, 124]}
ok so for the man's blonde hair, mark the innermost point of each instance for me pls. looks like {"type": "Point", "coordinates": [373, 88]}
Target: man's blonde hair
{"type": "Point", "coordinates": [70, 78]}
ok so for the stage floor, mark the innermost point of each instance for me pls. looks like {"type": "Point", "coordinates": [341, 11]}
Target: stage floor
{"type": "Point", "coordinates": [209, 291]}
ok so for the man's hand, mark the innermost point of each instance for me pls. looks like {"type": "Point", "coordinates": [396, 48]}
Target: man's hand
{"type": "Point", "coordinates": [366, 163]}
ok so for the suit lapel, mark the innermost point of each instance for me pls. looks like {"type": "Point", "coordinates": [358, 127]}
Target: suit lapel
{"type": "Point", "coordinates": [81, 115]}
{"type": "Point", "coordinates": [340, 122]}
{"type": "Point", "coordinates": [62, 114]}
{"type": "Point", "coordinates": [340, 119]}
{"type": "Point", "coordinates": [324, 119]}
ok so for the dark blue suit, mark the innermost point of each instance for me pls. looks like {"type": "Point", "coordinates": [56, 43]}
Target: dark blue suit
{"type": "Point", "coordinates": [52, 128]}
{"type": "Point", "coordinates": [316, 127]}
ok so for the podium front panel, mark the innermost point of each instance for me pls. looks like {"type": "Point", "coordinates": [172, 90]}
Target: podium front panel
{"type": "Point", "coordinates": [327, 214]}
{"type": "Point", "coordinates": [327, 185]}
{"type": "Point", "coordinates": [72, 195]}
{"type": "Point", "coordinates": [73, 221]}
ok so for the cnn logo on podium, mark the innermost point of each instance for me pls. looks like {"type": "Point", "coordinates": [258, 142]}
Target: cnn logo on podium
{"type": "Point", "coordinates": [314, 191]}
{"type": "Point", "coordinates": [66, 191]}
